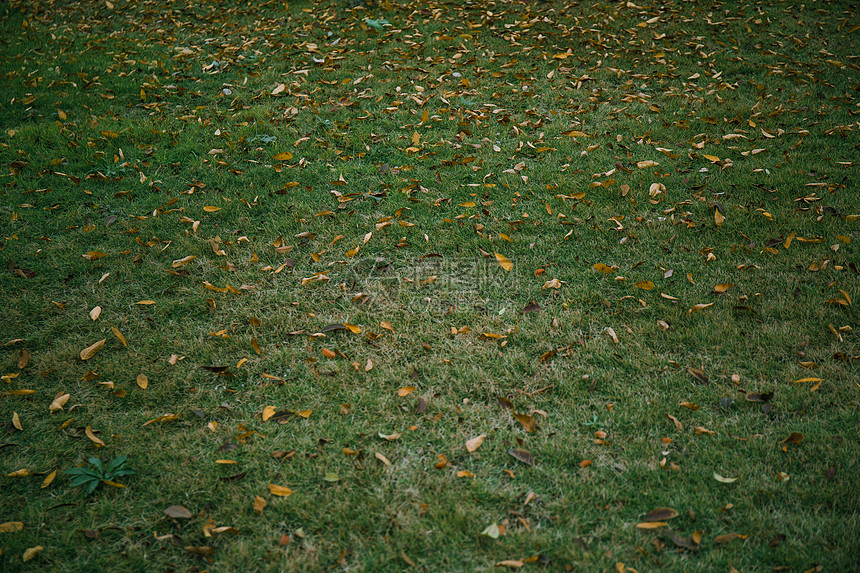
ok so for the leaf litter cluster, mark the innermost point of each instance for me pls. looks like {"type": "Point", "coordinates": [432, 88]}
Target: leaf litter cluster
{"type": "Point", "coordinates": [237, 229]}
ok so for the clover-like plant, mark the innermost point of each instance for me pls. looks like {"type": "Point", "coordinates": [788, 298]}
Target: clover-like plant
{"type": "Point", "coordinates": [100, 473]}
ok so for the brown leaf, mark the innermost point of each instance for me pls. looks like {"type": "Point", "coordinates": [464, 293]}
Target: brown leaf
{"type": "Point", "coordinates": [675, 421]}
{"type": "Point", "coordinates": [645, 285]}
{"type": "Point", "coordinates": [794, 438]}
{"type": "Point", "coordinates": [661, 514]}
{"type": "Point", "coordinates": [259, 504]}
{"type": "Point", "coordinates": [91, 350]}
{"type": "Point", "coordinates": [11, 526]}
{"type": "Point", "coordinates": [16, 422]}
{"type": "Point", "coordinates": [527, 421]}
{"type": "Point", "coordinates": [119, 335]}
{"type": "Point", "coordinates": [605, 269]}
{"type": "Point", "coordinates": [651, 525]}
{"type": "Point", "coordinates": [23, 358]}
{"type": "Point", "coordinates": [142, 381]}
{"type": "Point", "coordinates": [721, 288]}
{"type": "Point", "coordinates": [178, 512]}
{"type": "Point", "coordinates": [522, 455]}
{"type": "Point", "coordinates": [698, 374]}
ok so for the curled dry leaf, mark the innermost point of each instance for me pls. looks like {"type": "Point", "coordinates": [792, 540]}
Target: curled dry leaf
{"type": "Point", "coordinates": [699, 307]}
{"type": "Point", "coordinates": [610, 332]}
{"type": "Point", "coordinates": [95, 312]}
{"type": "Point", "coordinates": [58, 402]}
{"type": "Point", "coordinates": [382, 458]}
{"type": "Point", "coordinates": [475, 443]}
{"type": "Point", "coordinates": [92, 436]}
{"type": "Point", "coordinates": [91, 350]}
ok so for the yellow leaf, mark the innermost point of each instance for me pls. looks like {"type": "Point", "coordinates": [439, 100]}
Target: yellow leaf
{"type": "Point", "coordinates": [19, 473]}
{"type": "Point", "coordinates": [698, 307]}
{"type": "Point", "coordinates": [475, 443]}
{"type": "Point", "coordinates": [11, 526]}
{"type": "Point", "coordinates": [721, 288]}
{"type": "Point", "coordinates": [227, 462]}
{"type": "Point", "coordinates": [645, 285]}
{"type": "Point", "coordinates": [268, 412]}
{"type": "Point", "coordinates": [278, 89]}
{"type": "Point", "coordinates": [719, 219]}
{"type": "Point", "coordinates": [183, 261]}
{"type": "Point", "coordinates": [211, 209]}
{"type": "Point", "coordinates": [280, 490]}
{"type": "Point", "coordinates": [304, 413]}
{"type": "Point", "coordinates": [31, 552]}
{"type": "Point", "coordinates": [382, 458]}
{"type": "Point", "coordinates": [808, 380]}
{"type": "Point", "coordinates": [353, 328]}
{"type": "Point", "coordinates": [527, 421]}
{"type": "Point", "coordinates": [113, 483]}
{"type": "Point", "coordinates": [145, 302]}
{"type": "Point", "coordinates": [165, 418]}
{"type": "Point", "coordinates": [283, 156]}
{"type": "Point", "coordinates": [142, 381]}
{"type": "Point", "coordinates": [465, 474]}
{"type": "Point", "coordinates": [259, 504]}
{"type": "Point", "coordinates": [711, 158]}
{"type": "Point", "coordinates": [91, 350]}
{"type": "Point", "coordinates": [16, 421]}
{"type": "Point", "coordinates": [386, 325]}
{"type": "Point", "coordinates": [58, 402]}
{"type": "Point", "coordinates": [605, 269]}
{"type": "Point", "coordinates": [95, 312]}
{"type": "Point", "coordinates": [49, 479]}
{"type": "Point", "coordinates": [504, 261]}
{"type": "Point", "coordinates": [651, 525]}
{"type": "Point", "coordinates": [119, 335]}
{"type": "Point", "coordinates": [405, 391]}
{"type": "Point", "coordinates": [89, 432]}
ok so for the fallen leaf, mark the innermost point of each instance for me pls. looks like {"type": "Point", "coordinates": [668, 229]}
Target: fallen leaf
{"type": "Point", "coordinates": [475, 443]}
{"type": "Point", "coordinates": [11, 526]}
{"type": "Point", "coordinates": [119, 336]}
{"type": "Point", "coordinates": [512, 563]}
{"type": "Point", "coordinates": [280, 490]}
{"type": "Point", "coordinates": [31, 552]}
{"type": "Point", "coordinates": [651, 525]}
{"type": "Point", "coordinates": [16, 421]}
{"type": "Point", "coordinates": [605, 269]}
{"type": "Point", "coordinates": [91, 435]}
{"type": "Point", "coordinates": [645, 285]}
{"type": "Point", "coordinates": [611, 333]}
{"type": "Point", "coordinates": [164, 418]}
{"type": "Point", "coordinates": [178, 512]}
{"type": "Point", "coordinates": [142, 381]}
{"type": "Point", "coordinates": [492, 531]}
{"type": "Point", "coordinates": [661, 514]}
{"type": "Point", "coordinates": [259, 504]}
{"type": "Point", "coordinates": [721, 288]}
{"type": "Point", "coordinates": [675, 421]}
{"type": "Point", "coordinates": [58, 403]}
{"type": "Point", "coordinates": [95, 312]}
{"type": "Point", "coordinates": [522, 455]}
{"type": "Point", "coordinates": [91, 350]}
{"type": "Point", "coordinates": [527, 421]}
{"type": "Point", "coordinates": [504, 261]}
{"type": "Point", "coordinates": [382, 458]}
{"type": "Point", "coordinates": [405, 391]}
{"type": "Point", "coordinates": [268, 412]}
{"type": "Point", "coordinates": [699, 307]}
{"type": "Point", "coordinates": [722, 479]}
{"type": "Point", "coordinates": [48, 479]}
{"type": "Point", "coordinates": [794, 438]}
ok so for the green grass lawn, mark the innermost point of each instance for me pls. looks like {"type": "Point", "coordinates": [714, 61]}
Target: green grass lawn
{"type": "Point", "coordinates": [431, 286]}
